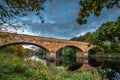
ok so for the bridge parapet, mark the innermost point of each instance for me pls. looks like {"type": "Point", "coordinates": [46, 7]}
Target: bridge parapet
{"type": "Point", "coordinates": [8, 38]}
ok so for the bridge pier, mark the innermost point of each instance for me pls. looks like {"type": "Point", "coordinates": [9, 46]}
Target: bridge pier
{"type": "Point", "coordinates": [51, 58]}
{"type": "Point", "coordinates": [79, 55]}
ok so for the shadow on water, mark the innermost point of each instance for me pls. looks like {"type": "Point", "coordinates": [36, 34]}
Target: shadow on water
{"type": "Point", "coordinates": [95, 63]}
{"type": "Point", "coordinates": [110, 67]}
{"type": "Point", "coordinates": [75, 66]}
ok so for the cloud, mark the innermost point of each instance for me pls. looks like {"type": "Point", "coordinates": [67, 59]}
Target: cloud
{"type": "Point", "coordinates": [60, 20]}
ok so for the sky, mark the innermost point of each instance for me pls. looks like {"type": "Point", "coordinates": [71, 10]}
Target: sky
{"type": "Point", "coordinates": [60, 20]}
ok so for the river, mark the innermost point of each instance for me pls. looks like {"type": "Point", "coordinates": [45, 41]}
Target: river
{"type": "Point", "coordinates": [110, 67]}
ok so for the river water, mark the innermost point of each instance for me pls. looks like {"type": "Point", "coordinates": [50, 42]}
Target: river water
{"type": "Point", "coordinates": [110, 67]}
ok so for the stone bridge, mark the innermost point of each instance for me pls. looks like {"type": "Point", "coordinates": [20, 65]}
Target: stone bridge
{"type": "Point", "coordinates": [51, 45]}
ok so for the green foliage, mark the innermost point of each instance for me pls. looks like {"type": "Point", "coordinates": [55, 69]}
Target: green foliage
{"type": "Point", "coordinates": [80, 38]}
{"type": "Point", "coordinates": [105, 36]}
{"type": "Point", "coordinates": [66, 75]}
{"type": "Point", "coordinates": [10, 8]}
{"type": "Point", "coordinates": [89, 7]}
{"type": "Point", "coordinates": [21, 50]}
{"type": "Point", "coordinates": [9, 49]}
{"type": "Point", "coordinates": [88, 37]}
{"type": "Point", "coordinates": [69, 56]}
{"type": "Point", "coordinates": [41, 53]}
{"type": "Point", "coordinates": [13, 67]}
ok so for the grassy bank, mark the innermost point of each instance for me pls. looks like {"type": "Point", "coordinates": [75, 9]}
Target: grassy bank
{"type": "Point", "coordinates": [13, 67]}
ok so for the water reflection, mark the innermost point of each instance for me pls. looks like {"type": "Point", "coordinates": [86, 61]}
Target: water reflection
{"type": "Point", "coordinates": [95, 63]}
{"type": "Point", "coordinates": [110, 67]}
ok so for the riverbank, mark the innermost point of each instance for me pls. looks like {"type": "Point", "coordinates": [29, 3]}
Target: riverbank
{"type": "Point", "coordinates": [15, 68]}
{"type": "Point", "coordinates": [113, 55]}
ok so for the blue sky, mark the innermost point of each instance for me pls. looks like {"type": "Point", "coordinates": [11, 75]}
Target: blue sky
{"type": "Point", "coordinates": [60, 20]}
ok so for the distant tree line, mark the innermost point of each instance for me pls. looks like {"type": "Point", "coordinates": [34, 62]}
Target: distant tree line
{"type": "Point", "coordinates": [106, 36]}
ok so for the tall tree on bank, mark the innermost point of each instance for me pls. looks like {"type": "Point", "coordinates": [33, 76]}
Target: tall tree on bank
{"type": "Point", "coordinates": [106, 36]}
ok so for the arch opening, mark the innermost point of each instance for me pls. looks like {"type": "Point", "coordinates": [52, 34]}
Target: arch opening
{"type": "Point", "coordinates": [69, 56]}
{"type": "Point", "coordinates": [95, 62]}
{"type": "Point", "coordinates": [93, 57]}
{"type": "Point", "coordinates": [21, 65]}
{"type": "Point", "coordinates": [26, 43]}
{"type": "Point", "coordinates": [96, 51]}
{"type": "Point", "coordinates": [29, 51]}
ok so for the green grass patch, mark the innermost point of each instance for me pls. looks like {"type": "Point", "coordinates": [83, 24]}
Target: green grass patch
{"type": "Point", "coordinates": [13, 67]}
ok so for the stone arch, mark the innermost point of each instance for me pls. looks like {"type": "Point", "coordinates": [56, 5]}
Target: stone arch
{"type": "Point", "coordinates": [74, 47]}
{"type": "Point", "coordinates": [79, 52]}
{"type": "Point", "coordinates": [15, 43]}
{"type": "Point", "coordinates": [94, 62]}
{"type": "Point", "coordinates": [79, 61]}
{"type": "Point", "coordinates": [96, 50]}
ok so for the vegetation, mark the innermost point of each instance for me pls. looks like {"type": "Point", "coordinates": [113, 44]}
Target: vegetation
{"type": "Point", "coordinates": [69, 56]}
{"type": "Point", "coordinates": [41, 53]}
{"type": "Point", "coordinates": [89, 7]}
{"type": "Point", "coordinates": [9, 49]}
{"type": "Point", "coordinates": [14, 67]}
{"type": "Point", "coordinates": [10, 8]}
{"type": "Point", "coordinates": [66, 56]}
{"type": "Point", "coordinates": [107, 36]}
{"type": "Point", "coordinates": [21, 50]}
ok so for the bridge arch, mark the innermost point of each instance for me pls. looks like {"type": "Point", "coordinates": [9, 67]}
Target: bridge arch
{"type": "Point", "coordinates": [95, 50]}
{"type": "Point", "coordinates": [79, 51]}
{"type": "Point", "coordinates": [50, 44]}
{"type": "Point", "coordinates": [93, 61]}
{"type": "Point", "coordinates": [30, 43]}
{"type": "Point", "coordinates": [78, 61]}
{"type": "Point", "coordinates": [16, 43]}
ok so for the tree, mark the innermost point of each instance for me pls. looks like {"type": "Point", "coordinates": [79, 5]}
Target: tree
{"type": "Point", "coordinates": [9, 49]}
{"type": "Point", "coordinates": [88, 37]}
{"type": "Point", "coordinates": [107, 32]}
{"type": "Point", "coordinates": [9, 8]}
{"type": "Point", "coordinates": [105, 36]}
{"type": "Point", "coordinates": [21, 50]}
{"type": "Point", "coordinates": [80, 38]}
{"type": "Point", "coordinates": [69, 56]}
{"type": "Point", "coordinates": [41, 53]}
{"type": "Point", "coordinates": [95, 7]}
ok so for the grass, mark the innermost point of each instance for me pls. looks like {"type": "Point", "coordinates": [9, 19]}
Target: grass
{"type": "Point", "coordinates": [13, 67]}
